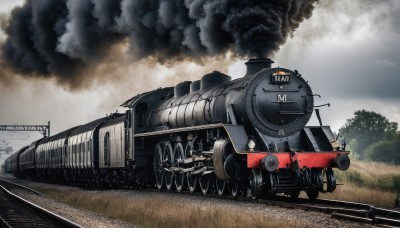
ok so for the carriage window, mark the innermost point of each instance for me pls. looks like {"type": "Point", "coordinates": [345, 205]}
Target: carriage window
{"type": "Point", "coordinates": [141, 113]}
{"type": "Point", "coordinates": [107, 149]}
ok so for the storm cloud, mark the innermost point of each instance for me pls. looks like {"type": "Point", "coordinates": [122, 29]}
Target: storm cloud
{"type": "Point", "coordinates": [358, 49]}
{"type": "Point", "coordinates": [61, 38]}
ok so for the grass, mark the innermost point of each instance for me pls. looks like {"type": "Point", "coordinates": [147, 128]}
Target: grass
{"type": "Point", "coordinates": [158, 210]}
{"type": "Point", "coordinates": [365, 182]}
{"type": "Point", "coordinates": [368, 182]}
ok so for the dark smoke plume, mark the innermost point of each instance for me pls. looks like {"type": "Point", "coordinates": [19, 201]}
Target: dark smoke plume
{"type": "Point", "coordinates": [62, 37]}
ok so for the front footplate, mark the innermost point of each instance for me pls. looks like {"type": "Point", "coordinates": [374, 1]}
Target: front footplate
{"type": "Point", "coordinates": [302, 160]}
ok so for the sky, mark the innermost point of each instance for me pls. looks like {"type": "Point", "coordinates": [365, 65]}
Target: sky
{"type": "Point", "coordinates": [348, 51]}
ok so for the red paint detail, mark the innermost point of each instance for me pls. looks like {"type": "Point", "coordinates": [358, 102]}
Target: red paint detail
{"type": "Point", "coordinates": [304, 159]}
{"type": "Point", "coordinates": [254, 159]}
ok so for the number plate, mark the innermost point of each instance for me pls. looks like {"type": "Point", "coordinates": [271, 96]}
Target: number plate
{"type": "Point", "coordinates": [280, 77]}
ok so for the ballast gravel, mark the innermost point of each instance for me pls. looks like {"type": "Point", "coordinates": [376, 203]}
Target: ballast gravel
{"type": "Point", "coordinates": [92, 219]}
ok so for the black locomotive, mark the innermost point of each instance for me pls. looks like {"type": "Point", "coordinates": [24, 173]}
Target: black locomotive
{"type": "Point", "coordinates": [247, 135]}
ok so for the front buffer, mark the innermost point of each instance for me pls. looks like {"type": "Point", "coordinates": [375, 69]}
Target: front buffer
{"type": "Point", "coordinates": [290, 173]}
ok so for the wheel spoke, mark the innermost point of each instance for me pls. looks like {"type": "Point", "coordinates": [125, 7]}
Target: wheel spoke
{"type": "Point", "coordinates": [158, 166]}
{"type": "Point", "coordinates": [190, 178]}
{"type": "Point", "coordinates": [192, 182]}
{"type": "Point", "coordinates": [179, 155]}
{"type": "Point", "coordinates": [205, 184]}
{"type": "Point", "coordinates": [221, 186]}
{"type": "Point", "coordinates": [235, 188]}
{"type": "Point", "coordinates": [169, 162]}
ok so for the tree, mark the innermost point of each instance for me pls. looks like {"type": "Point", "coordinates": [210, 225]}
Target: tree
{"type": "Point", "coordinates": [385, 151]}
{"type": "Point", "coordinates": [365, 129]}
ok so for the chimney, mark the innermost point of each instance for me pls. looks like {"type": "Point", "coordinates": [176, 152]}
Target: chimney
{"type": "Point", "coordinates": [257, 64]}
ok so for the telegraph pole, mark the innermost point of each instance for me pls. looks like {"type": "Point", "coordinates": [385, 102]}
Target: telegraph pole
{"type": "Point", "coordinates": [43, 129]}
{"type": "Point", "coordinates": [6, 149]}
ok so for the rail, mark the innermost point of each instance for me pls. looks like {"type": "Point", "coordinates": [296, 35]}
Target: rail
{"type": "Point", "coordinates": [57, 218]}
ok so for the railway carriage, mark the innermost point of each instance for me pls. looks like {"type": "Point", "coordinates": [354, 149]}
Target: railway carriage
{"type": "Point", "coordinates": [13, 163]}
{"type": "Point", "coordinates": [51, 155]}
{"type": "Point", "coordinates": [29, 159]}
{"type": "Point", "coordinates": [9, 165]}
{"type": "Point", "coordinates": [82, 160]}
{"type": "Point", "coordinates": [112, 151]}
{"type": "Point", "coordinates": [14, 159]}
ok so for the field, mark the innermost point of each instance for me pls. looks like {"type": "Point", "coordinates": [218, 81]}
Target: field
{"type": "Point", "coordinates": [368, 182]}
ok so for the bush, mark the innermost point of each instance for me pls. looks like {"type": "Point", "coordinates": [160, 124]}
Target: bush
{"type": "Point", "coordinates": [396, 184]}
{"type": "Point", "coordinates": [355, 177]}
{"type": "Point", "coordinates": [384, 183]}
{"type": "Point", "coordinates": [385, 151]}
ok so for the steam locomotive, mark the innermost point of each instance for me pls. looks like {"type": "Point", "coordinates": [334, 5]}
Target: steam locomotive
{"type": "Point", "coordinates": [245, 136]}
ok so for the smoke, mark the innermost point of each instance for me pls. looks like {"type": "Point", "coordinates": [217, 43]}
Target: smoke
{"type": "Point", "coordinates": [65, 38]}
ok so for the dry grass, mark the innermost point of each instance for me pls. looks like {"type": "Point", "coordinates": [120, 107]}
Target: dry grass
{"type": "Point", "coordinates": [364, 182]}
{"type": "Point", "coordinates": [157, 210]}
{"type": "Point", "coordinates": [367, 182]}
{"type": "Point", "coordinates": [375, 169]}
{"type": "Point", "coordinates": [352, 192]}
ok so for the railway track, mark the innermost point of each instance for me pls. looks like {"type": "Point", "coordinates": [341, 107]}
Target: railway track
{"type": "Point", "coordinates": [358, 212]}
{"type": "Point", "coordinates": [11, 185]}
{"type": "Point", "coordinates": [18, 212]}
